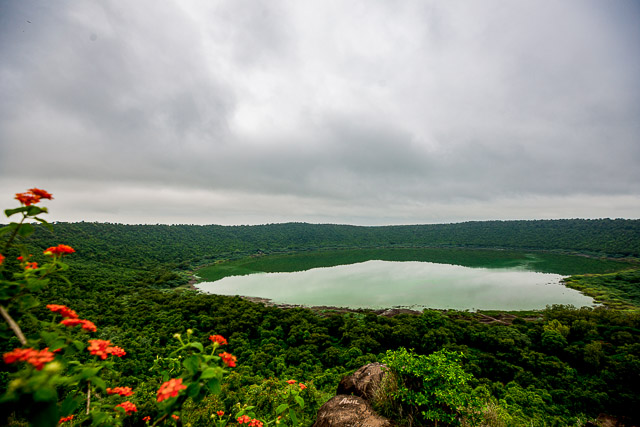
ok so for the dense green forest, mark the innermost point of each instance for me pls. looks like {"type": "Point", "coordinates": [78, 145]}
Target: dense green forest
{"type": "Point", "coordinates": [560, 366]}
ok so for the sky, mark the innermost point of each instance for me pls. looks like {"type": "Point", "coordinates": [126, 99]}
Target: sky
{"type": "Point", "coordinates": [368, 112]}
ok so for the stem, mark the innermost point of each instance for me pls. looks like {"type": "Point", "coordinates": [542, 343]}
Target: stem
{"type": "Point", "coordinates": [15, 233]}
{"type": "Point", "coordinates": [88, 397]}
{"type": "Point", "coordinates": [13, 325]}
{"type": "Point", "coordinates": [159, 420]}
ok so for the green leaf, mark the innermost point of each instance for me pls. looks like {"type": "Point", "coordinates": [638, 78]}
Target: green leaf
{"type": "Point", "coordinates": [210, 373]}
{"type": "Point", "coordinates": [26, 230]}
{"type": "Point", "coordinates": [79, 345]}
{"type": "Point", "coordinates": [294, 418]}
{"type": "Point", "coordinates": [191, 364]}
{"type": "Point", "coordinates": [280, 409]}
{"type": "Point", "coordinates": [45, 223]}
{"type": "Point", "coordinates": [98, 417]}
{"type": "Point", "coordinates": [87, 373]}
{"type": "Point", "coordinates": [69, 405]}
{"type": "Point", "coordinates": [35, 210]}
{"type": "Point", "coordinates": [9, 212]}
{"type": "Point", "coordinates": [196, 345]}
{"type": "Point", "coordinates": [98, 382]}
{"type": "Point", "coordinates": [49, 337]}
{"type": "Point", "coordinates": [193, 390]}
{"type": "Point", "coordinates": [8, 228]}
{"type": "Point", "coordinates": [299, 401]}
{"type": "Point", "coordinates": [45, 394]}
{"type": "Point", "coordinates": [214, 386]}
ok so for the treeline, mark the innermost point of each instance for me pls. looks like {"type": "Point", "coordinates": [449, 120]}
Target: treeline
{"type": "Point", "coordinates": [142, 245]}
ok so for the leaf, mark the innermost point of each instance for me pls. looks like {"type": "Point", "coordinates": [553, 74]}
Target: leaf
{"type": "Point", "coordinates": [197, 345]}
{"type": "Point", "coordinates": [45, 223]}
{"type": "Point", "coordinates": [191, 364]}
{"type": "Point", "coordinates": [45, 394]}
{"type": "Point", "coordinates": [8, 228]}
{"type": "Point", "coordinates": [26, 230]}
{"type": "Point", "coordinates": [9, 212]}
{"type": "Point", "coordinates": [210, 373]}
{"type": "Point", "coordinates": [294, 418]}
{"type": "Point", "coordinates": [214, 386]}
{"type": "Point", "coordinates": [299, 401]}
{"type": "Point", "coordinates": [280, 409]}
{"type": "Point", "coordinates": [35, 210]}
{"type": "Point", "coordinates": [98, 382]}
{"type": "Point", "coordinates": [79, 345]}
{"type": "Point", "coordinates": [69, 405]}
{"type": "Point", "coordinates": [87, 373]}
{"type": "Point", "coordinates": [193, 390]}
{"type": "Point", "coordinates": [49, 337]}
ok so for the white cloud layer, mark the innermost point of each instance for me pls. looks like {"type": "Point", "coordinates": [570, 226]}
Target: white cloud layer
{"type": "Point", "coordinates": [369, 112]}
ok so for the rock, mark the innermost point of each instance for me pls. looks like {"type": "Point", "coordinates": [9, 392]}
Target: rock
{"type": "Point", "coordinates": [364, 382]}
{"type": "Point", "coordinates": [349, 411]}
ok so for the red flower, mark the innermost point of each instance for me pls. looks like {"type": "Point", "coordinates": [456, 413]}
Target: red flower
{"type": "Point", "coordinates": [244, 419]}
{"type": "Point", "coordinates": [41, 193]}
{"type": "Point", "coordinates": [291, 381]}
{"type": "Point", "coordinates": [59, 250]}
{"type": "Point", "coordinates": [218, 339]}
{"type": "Point", "coordinates": [122, 391]}
{"type": "Point", "coordinates": [31, 266]}
{"type": "Point", "coordinates": [255, 423]}
{"type": "Point", "coordinates": [175, 417]}
{"type": "Point", "coordinates": [1, 259]}
{"type": "Point", "coordinates": [86, 324]}
{"type": "Point", "coordinates": [37, 358]}
{"type": "Point", "coordinates": [63, 310]}
{"type": "Point", "coordinates": [146, 419]}
{"type": "Point", "coordinates": [170, 388]}
{"type": "Point", "coordinates": [65, 419]}
{"type": "Point", "coordinates": [302, 386]}
{"type": "Point", "coordinates": [220, 413]}
{"type": "Point", "coordinates": [128, 407]}
{"type": "Point", "coordinates": [99, 348]}
{"type": "Point", "coordinates": [116, 351]}
{"type": "Point", "coordinates": [27, 198]}
{"type": "Point", "coordinates": [228, 359]}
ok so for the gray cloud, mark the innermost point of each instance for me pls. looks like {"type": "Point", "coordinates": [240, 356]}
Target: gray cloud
{"type": "Point", "coordinates": [367, 112]}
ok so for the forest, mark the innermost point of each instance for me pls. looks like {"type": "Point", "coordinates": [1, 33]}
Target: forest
{"type": "Point", "coordinates": [559, 366]}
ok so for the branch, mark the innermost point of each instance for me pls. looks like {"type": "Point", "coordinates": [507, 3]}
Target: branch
{"type": "Point", "coordinates": [13, 325]}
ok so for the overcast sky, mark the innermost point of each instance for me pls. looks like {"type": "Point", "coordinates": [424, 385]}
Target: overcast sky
{"type": "Point", "coordinates": [360, 112]}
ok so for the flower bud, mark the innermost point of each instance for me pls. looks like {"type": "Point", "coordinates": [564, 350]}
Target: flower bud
{"type": "Point", "coordinates": [177, 336]}
{"type": "Point", "coordinates": [189, 332]}
{"type": "Point", "coordinates": [53, 367]}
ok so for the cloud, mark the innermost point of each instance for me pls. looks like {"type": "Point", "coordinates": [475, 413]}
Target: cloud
{"type": "Point", "coordinates": [367, 112]}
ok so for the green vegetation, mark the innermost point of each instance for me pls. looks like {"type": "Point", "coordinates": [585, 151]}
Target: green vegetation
{"type": "Point", "coordinates": [559, 367]}
{"type": "Point", "coordinates": [620, 290]}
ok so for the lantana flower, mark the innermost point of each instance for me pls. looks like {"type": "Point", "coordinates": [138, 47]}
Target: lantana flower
{"type": "Point", "coordinates": [63, 310]}
{"type": "Point", "coordinates": [1, 259]}
{"type": "Point", "coordinates": [228, 359]}
{"type": "Point", "coordinates": [170, 389]}
{"type": "Point", "coordinates": [65, 419]}
{"type": "Point", "coordinates": [128, 407]}
{"type": "Point", "coordinates": [87, 325]}
{"type": "Point", "coordinates": [122, 391]}
{"type": "Point", "coordinates": [219, 339]}
{"type": "Point", "coordinates": [59, 250]}
{"type": "Point", "coordinates": [37, 358]}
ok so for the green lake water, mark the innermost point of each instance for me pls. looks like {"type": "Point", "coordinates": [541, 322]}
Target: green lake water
{"type": "Point", "coordinates": [408, 284]}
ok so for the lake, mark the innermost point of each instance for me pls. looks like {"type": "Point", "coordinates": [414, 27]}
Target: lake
{"type": "Point", "coordinates": [407, 284]}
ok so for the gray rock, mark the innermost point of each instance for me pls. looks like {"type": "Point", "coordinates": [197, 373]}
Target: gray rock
{"type": "Point", "coordinates": [364, 382]}
{"type": "Point", "coordinates": [349, 411]}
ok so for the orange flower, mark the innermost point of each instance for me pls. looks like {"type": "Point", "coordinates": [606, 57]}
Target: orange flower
{"type": "Point", "coordinates": [220, 413]}
{"type": "Point", "coordinates": [146, 419]}
{"type": "Point", "coordinates": [37, 358]}
{"type": "Point", "coordinates": [244, 419]}
{"type": "Point", "coordinates": [175, 417]}
{"type": "Point", "coordinates": [59, 250]}
{"type": "Point", "coordinates": [302, 386]}
{"type": "Point", "coordinates": [99, 348]}
{"type": "Point", "coordinates": [63, 310]}
{"type": "Point", "coordinates": [228, 359]}
{"type": "Point", "coordinates": [116, 351]}
{"type": "Point", "coordinates": [128, 407]}
{"type": "Point", "coordinates": [86, 324]}
{"type": "Point", "coordinates": [1, 259]}
{"type": "Point", "coordinates": [218, 339]}
{"type": "Point", "coordinates": [31, 266]}
{"type": "Point", "coordinates": [27, 198]}
{"type": "Point", "coordinates": [255, 423]}
{"type": "Point", "coordinates": [122, 391]}
{"type": "Point", "coordinates": [65, 419]}
{"type": "Point", "coordinates": [291, 381]}
{"type": "Point", "coordinates": [41, 193]}
{"type": "Point", "coordinates": [170, 388]}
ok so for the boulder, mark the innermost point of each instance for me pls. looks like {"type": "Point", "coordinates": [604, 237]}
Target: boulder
{"type": "Point", "coordinates": [364, 382]}
{"type": "Point", "coordinates": [349, 411]}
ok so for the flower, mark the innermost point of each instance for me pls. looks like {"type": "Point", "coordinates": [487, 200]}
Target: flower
{"type": "Point", "coordinates": [86, 324]}
{"type": "Point", "coordinates": [170, 388]}
{"type": "Point", "coordinates": [59, 250]}
{"type": "Point", "coordinates": [175, 417]}
{"type": "Point", "coordinates": [122, 391]}
{"type": "Point", "coordinates": [65, 419]}
{"type": "Point", "coordinates": [146, 419]}
{"type": "Point", "coordinates": [255, 423]}
{"type": "Point", "coordinates": [244, 419]}
{"type": "Point", "coordinates": [219, 339]}
{"type": "Point", "coordinates": [37, 358]}
{"type": "Point", "coordinates": [220, 413]}
{"type": "Point", "coordinates": [228, 359]}
{"type": "Point", "coordinates": [41, 193]}
{"type": "Point", "coordinates": [99, 348]}
{"type": "Point", "coordinates": [63, 310]}
{"type": "Point", "coordinates": [116, 351]}
{"type": "Point", "coordinates": [1, 259]}
{"type": "Point", "coordinates": [31, 266]}
{"type": "Point", "coordinates": [291, 382]}
{"type": "Point", "coordinates": [302, 386]}
{"type": "Point", "coordinates": [27, 198]}
{"type": "Point", "coordinates": [128, 407]}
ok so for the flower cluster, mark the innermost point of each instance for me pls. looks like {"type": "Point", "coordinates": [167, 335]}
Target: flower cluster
{"type": "Point", "coordinates": [170, 389]}
{"type": "Point", "coordinates": [228, 359]}
{"type": "Point", "coordinates": [32, 196]}
{"type": "Point", "coordinates": [86, 325]}
{"type": "Point", "coordinates": [128, 407]}
{"type": "Point", "coordinates": [37, 358]}
{"type": "Point", "coordinates": [122, 391]}
{"type": "Point", "coordinates": [218, 339]}
{"type": "Point", "coordinates": [59, 250]}
{"type": "Point", "coordinates": [146, 419]}
{"type": "Point", "coordinates": [220, 413]}
{"type": "Point", "coordinates": [245, 419]}
{"type": "Point", "coordinates": [63, 310]}
{"type": "Point", "coordinates": [1, 259]}
{"type": "Point", "coordinates": [292, 382]}
{"type": "Point", "coordinates": [103, 348]}
{"type": "Point", "coordinates": [65, 419]}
